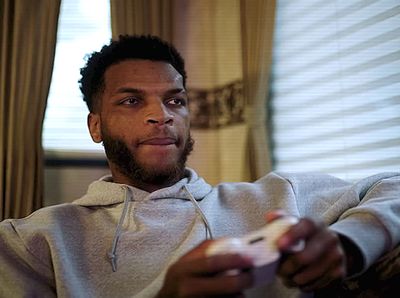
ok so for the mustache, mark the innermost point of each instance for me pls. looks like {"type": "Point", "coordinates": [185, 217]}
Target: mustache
{"type": "Point", "coordinates": [165, 133]}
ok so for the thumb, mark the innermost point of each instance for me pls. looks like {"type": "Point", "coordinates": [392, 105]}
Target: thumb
{"type": "Point", "coordinates": [197, 252]}
{"type": "Point", "coordinates": [275, 214]}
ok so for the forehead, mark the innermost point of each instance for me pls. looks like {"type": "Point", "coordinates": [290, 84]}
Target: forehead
{"type": "Point", "coordinates": [141, 73]}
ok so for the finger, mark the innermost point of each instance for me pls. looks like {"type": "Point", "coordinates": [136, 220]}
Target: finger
{"type": "Point", "coordinates": [289, 283]}
{"type": "Point", "coordinates": [333, 276]}
{"type": "Point", "coordinates": [315, 267]}
{"type": "Point", "coordinates": [316, 278]}
{"type": "Point", "coordinates": [214, 264]}
{"type": "Point", "coordinates": [303, 230]}
{"type": "Point", "coordinates": [216, 285]}
{"type": "Point", "coordinates": [198, 252]}
{"type": "Point", "coordinates": [322, 242]}
{"type": "Point", "coordinates": [275, 214]}
{"type": "Point", "coordinates": [323, 270]}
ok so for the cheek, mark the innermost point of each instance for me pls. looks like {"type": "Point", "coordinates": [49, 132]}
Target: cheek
{"type": "Point", "coordinates": [184, 128]}
{"type": "Point", "coordinates": [119, 128]}
{"type": "Point", "coordinates": [121, 122]}
{"type": "Point", "coordinates": [184, 120]}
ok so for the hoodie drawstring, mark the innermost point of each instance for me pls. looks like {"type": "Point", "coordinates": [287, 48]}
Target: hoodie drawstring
{"type": "Point", "coordinates": [112, 255]}
{"type": "Point", "coordinates": [209, 234]}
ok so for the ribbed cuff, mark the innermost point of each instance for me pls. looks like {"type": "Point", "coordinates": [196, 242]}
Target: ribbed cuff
{"type": "Point", "coordinates": [367, 234]}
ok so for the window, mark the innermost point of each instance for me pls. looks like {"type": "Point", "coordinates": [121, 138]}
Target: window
{"type": "Point", "coordinates": [335, 88]}
{"type": "Point", "coordinates": [84, 26]}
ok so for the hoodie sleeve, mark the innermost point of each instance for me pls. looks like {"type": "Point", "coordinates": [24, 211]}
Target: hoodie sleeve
{"type": "Point", "coordinates": [373, 225]}
{"type": "Point", "coordinates": [367, 213]}
{"type": "Point", "coordinates": [21, 273]}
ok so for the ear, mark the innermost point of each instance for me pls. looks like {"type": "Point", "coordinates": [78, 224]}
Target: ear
{"type": "Point", "coordinates": [94, 124]}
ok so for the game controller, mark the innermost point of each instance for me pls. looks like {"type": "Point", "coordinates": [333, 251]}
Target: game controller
{"type": "Point", "coordinates": [260, 246]}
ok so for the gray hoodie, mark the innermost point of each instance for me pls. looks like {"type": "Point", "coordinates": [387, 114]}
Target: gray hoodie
{"type": "Point", "coordinates": [118, 241]}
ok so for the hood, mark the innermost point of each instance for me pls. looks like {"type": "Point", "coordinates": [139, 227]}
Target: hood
{"type": "Point", "coordinates": [104, 192]}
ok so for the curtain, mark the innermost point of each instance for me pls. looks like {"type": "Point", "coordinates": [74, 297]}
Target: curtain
{"type": "Point", "coordinates": [141, 17]}
{"type": "Point", "coordinates": [257, 26]}
{"type": "Point", "coordinates": [228, 127]}
{"type": "Point", "coordinates": [28, 37]}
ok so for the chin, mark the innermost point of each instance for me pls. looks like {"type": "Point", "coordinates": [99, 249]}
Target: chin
{"type": "Point", "coordinates": [162, 166]}
{"type": "Point", "coordinates": [148, 164]}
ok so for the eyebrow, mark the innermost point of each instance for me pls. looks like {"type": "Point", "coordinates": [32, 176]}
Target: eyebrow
{"type": "Point", "coordinates": [142, 92]}
{"type": "Point", "coordinates": [130, 90]}
{"type": "Point", "coordinates": [175, 91]}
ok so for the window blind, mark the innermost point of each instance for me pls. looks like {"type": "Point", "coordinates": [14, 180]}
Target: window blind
{"type": "Point", "coordinates": [335, 87]}
{"type": "Point", "coordinates": [84, 26]}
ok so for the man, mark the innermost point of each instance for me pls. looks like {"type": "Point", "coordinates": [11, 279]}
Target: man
{"type": "Point", "coordinates": [141, 231]}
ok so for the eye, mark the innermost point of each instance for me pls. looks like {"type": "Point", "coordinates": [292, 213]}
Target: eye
{"type": "Point", "coordinates": [176, 101]}
{"type": "Point", "coordinates": [130, 101]}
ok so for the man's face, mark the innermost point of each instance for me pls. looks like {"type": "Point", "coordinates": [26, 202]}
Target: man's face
{"type": "Point", "coordinates": [143, 121]}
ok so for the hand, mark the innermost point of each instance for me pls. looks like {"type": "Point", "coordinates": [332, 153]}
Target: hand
{"type": "Point", "coordinates": [322, 262]}
{"type": "Point", "coordinates": [196, 275]}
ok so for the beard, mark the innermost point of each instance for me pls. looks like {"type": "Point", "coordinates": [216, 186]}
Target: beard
{"type": "Point", "coordinates": [119, 153]}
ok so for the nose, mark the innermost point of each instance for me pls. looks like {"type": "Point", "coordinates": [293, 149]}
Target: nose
{"type": "Point", "coordinates": [158, 114]}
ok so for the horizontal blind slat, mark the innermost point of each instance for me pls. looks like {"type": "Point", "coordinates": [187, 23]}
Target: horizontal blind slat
{"type": "Point", "coordinates": [335, 87]}
{"type": "Point", "coordinates": [368, 64]}
{"type": "Point", "coordinates": [330, 30]}
{"type": "Point", "coordinates": [310, 58]}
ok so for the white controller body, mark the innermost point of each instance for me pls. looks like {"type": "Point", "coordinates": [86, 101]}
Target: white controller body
{"type": "Point", "coordinates": [260, 246]}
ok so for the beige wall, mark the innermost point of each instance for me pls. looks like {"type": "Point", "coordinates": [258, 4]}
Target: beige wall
{"type": "Point", "coordinates": [225, 164]}
{"type": "Point", "coordinates": [65, 184]}
{"type": "Point", "coordinates": [212, 52]}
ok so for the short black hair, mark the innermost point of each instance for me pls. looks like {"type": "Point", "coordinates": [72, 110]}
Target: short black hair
{"type": "Point", "coordinates": [145, 47]}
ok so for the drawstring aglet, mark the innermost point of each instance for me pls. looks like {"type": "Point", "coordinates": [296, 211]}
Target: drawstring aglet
{"type": "Point", "coordinates": [113, 259]}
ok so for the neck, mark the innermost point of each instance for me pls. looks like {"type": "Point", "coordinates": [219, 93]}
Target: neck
{"type": "Point", "coordinates": [121, 178]}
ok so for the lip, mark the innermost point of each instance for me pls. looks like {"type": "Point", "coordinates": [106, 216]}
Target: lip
{"type": "Point", "coordinates": [159, 141]}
